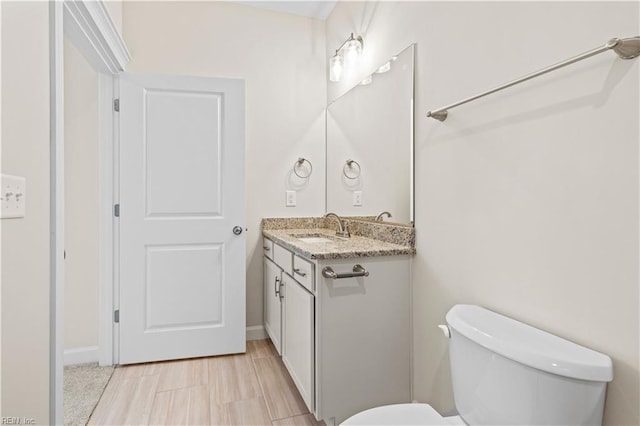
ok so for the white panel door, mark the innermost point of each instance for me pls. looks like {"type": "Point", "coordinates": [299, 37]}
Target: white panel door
{"type": "Point", "coordinates": [182, 267]}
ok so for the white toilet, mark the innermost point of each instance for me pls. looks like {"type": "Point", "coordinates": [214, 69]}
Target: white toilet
{"type": "Point", "coordinates": [506, 372]}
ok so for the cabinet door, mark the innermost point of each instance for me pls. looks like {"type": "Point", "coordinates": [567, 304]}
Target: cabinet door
{"type": "Point", "coordinates": [272, 305]}
{"type": "Point", "coordinates": [298, 330]}
{"type": "Point", "coordinates": [364, 330]}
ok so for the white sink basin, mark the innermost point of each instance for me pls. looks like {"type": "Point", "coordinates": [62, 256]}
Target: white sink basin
{"type": "Point", "coordinates": [315, 240]}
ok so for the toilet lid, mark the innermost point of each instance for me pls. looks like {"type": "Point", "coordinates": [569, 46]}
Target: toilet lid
{"type": "Point", "coordinates": [398, 414]}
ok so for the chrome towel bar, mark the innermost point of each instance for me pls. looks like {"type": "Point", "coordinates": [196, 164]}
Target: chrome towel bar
{"type": "Point", "coordinates": [627, 48]}
{"type": "Point", "coordinates": [358, 271]}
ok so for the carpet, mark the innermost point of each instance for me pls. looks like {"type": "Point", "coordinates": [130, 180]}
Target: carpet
{"type": "Point", "coordinates": [83, 387]}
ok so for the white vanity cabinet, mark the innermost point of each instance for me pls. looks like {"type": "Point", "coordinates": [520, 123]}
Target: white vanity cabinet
{"type": "Point", "coordinates": [344, 340]}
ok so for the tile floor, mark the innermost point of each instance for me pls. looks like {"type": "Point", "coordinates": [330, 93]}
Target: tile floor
{"type": "Point", "coordinates": [245, 389]}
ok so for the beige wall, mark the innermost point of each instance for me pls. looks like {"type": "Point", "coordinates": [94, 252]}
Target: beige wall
{"type": "Point", "coordinates": [25, 242]}
{"type": "Point", "coordinates": [527, 201]}
{"type": "Point", "coordinates": [114, 7]}
{"type": "Point", "coordinates": [81, 200]}
{"type": "Point", "coordinates": [281, 57]}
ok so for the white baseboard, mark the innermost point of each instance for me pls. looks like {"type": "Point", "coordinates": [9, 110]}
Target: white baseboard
{"type": "Point", "coordinates": [81, 355]}
{"type": "Point", "coordinates": [256, 332]}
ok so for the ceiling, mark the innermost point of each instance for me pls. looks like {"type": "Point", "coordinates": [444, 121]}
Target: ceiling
{"type": "Point", "coordinates": [319, 9]}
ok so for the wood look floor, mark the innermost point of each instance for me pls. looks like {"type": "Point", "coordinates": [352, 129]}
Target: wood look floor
{"type": "Point", "coordinates": [246, 389]}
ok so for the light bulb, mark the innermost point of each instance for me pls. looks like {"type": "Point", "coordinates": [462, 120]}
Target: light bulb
{"type": "Point", "coordinates": [367, 80]}
{"type": "Point", "coordinates": [335, 68]}
{"type": "Point", "coordinates": [386, 67]}
{"type": "Point", "coordinates": [352, 50]}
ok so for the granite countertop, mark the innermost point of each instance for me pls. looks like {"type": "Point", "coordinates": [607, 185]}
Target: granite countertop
{"type": "Point", "coordinates": [338, 248]}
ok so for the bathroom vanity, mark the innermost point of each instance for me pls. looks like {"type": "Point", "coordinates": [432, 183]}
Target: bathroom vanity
{"type": "Point", "coordinates": [338, 312]}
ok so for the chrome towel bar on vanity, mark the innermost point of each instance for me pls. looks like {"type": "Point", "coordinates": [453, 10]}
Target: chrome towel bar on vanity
{"type": "Point", "coordinates": [358, 271]}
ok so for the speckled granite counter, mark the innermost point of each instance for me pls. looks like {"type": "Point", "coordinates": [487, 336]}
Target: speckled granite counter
{"type": "Point", "coordinates": [286, 232]}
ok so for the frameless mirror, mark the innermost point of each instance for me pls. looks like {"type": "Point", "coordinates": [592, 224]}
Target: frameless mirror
{"type": "Point", "coordinates": [370, 145]}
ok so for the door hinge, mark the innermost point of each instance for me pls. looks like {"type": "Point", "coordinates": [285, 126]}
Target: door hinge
{"type": "Point", "coordinates": [116, 210]}
{"type": "Point", "coordinates": [116, 315]}
{"type": "Point", "coordinates": [116, 105]}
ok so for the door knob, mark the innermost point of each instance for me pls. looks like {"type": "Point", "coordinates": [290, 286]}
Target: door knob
{"type": "Point", "coordinates": [237, 230]}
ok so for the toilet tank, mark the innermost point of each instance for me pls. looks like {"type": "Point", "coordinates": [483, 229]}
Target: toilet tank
{"type": "Point", "coordinates": [506, 372]}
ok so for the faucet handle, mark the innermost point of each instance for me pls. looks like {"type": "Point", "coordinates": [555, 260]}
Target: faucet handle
{"type": "Point", "coordinates": [344, 232]}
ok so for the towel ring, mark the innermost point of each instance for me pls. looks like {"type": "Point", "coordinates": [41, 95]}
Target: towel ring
{"type": "Point", "coordinates": [349, 164]}
{"type": "Point", "coordinates": [299, 163]}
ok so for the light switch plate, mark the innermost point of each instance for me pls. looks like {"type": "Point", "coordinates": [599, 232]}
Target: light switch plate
{"type": "Point", "coordinates": [291, 198]}
{"type": "Point", "coordinates": [12, 196]}
{"type": "Point", "coordinates": [357, 198]}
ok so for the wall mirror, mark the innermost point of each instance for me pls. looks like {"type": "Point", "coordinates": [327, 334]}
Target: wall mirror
{"type": "Point", "coordinates": [370, 145]}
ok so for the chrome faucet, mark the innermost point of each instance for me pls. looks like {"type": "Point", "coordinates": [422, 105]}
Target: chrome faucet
{"type": "Point", "coordinates": [343, 230]}
{"type": "Point", "coordinates": [380, 216]}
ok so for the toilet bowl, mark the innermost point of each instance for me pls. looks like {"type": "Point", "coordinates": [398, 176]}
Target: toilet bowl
{"type": "Point", "coordinates": [401, 415]}
{"type": "Point", "coordinates": [507, 372]}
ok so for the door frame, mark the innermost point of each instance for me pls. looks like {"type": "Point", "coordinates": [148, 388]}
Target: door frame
{"type": "Point", "coordinates": [89, 26]}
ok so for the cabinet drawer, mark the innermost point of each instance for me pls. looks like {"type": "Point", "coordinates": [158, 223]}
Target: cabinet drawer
{"type": "Point", "coordinates": [303, 272]}
{"type": "Point", "coordinates": [267, 247]}
{"type": "Point", "coordinates": [282, 257]}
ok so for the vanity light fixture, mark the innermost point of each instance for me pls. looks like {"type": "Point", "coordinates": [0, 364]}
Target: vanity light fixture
{"type": "Point", "coordinates": [346, 57]}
